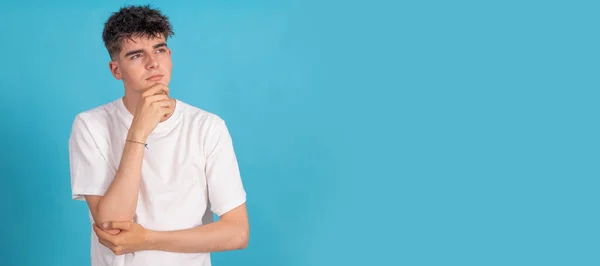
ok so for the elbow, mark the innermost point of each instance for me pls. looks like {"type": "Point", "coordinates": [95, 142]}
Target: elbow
{"type": "Point", "coordinates": [242, 239]}
{"type": "Point", "coordinates": [108, 213]}
{"type": "Point", "coordinates": [244, 244]}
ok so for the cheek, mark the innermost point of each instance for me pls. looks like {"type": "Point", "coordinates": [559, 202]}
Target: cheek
{"type": "Point", "coordinates": [132, 72]}
{"type": "Point", "coordinates": [167, 68]}
{"type": "Point", "coordinates": [165, 61]}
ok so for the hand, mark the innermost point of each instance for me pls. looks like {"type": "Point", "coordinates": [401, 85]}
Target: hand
{"type": "Point", "coordinates": [132, 237]}
{"type": "Point", "coordinates": [155, 106]}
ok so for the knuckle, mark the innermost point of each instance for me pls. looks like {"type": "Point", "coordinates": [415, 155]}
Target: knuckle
{"type": "Point", "coordinates": [117, 250]}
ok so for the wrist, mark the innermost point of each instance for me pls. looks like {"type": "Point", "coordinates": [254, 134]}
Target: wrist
{"type": "Point", "coordinates": [136, 136]}
{"type": "Point", "coordinates": [151, 240]}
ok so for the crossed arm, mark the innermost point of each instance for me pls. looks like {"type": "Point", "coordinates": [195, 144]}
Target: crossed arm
{"type": "Point", "coordinates": [114, 211]}
{"type": "Point", "coordinates": [230, 232]}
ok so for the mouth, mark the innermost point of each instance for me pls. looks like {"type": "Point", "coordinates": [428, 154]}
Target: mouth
{"type": "Point", "coordinates": [155, 77]}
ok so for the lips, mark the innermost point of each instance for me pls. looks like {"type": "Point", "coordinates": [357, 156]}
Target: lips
{"type": "Point", "coordinates": [155, 77]}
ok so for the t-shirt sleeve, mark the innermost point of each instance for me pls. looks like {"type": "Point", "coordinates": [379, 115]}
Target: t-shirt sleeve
{"type": "Point", "coordinates": [89, 168]}
{"type": "Point", "coordinates": [225, 188]}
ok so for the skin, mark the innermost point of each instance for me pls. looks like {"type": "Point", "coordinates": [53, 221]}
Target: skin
{"type": "Point", "coordinates": [144, 65]}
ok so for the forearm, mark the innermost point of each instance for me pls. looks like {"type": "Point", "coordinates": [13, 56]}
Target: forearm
{"type": "Point", "coordinates": [218, 236]}
{"type": "Point", "coordinates": [120, 200]}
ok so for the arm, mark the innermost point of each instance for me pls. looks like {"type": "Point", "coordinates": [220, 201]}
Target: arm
{"type": "Point", "coordinates": [230, 232]}
{"type": "Point", "coordinates": [119, 202]}
{"type": "Point", "coordinates": [225, 190]}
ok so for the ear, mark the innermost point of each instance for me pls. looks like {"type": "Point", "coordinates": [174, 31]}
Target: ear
{"type": "Point", "coordinates": [115, 70]}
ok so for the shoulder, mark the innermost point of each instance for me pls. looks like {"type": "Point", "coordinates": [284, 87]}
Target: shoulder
{"type": "Point", "coordinates": [200, 117]}
{"type": "Point", "coordinates": [211, 128]}
{"type": "Point", "coordinates": [94, 118]}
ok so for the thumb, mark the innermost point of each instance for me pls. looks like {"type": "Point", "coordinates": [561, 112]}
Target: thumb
{"type": "Point", "coordinates": [116, 225]}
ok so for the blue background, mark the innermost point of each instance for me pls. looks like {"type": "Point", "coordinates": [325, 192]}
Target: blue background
{"type": "Point", "coordinates": [368, 132]}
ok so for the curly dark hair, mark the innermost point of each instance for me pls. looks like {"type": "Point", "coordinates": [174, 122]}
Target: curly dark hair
{"type": "Point", "coordinates": [134, 21]}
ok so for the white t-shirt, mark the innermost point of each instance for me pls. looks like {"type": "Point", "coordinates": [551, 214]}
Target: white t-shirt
{"type": "Point", "coordinates": [189, 172]}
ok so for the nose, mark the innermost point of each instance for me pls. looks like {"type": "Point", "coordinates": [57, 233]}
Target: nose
{"type": "Point", "coordinates": [151, 61]}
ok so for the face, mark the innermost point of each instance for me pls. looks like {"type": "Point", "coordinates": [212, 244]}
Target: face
{"type": "Point", "coordinates": [142, 62]}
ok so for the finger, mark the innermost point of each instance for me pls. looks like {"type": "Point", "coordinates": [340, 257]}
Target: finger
{"type": "Point", "coordinates": [118, 250]}
{"type": "Point", "coordinates": [155, 89]}
{"type": "Point", "coordinates": [164, 102]}
{"type": "Point", "coordinates": [160, 92]}
{"type": "Point", "coordinates": [112, 232]}
{"type": "Point", "coordinates": [105, 229]}
{"type": "Point", "coordinates": [163, 106]}
{"type": "Point", "coordinates": [111, 240]}
{"type": "Point", "coordinates": [95, 228]}
{"type": "Point", "coordinates": [101, 234]}
{"type": "Point", "coordinates": [169, 103]}
{"type": "Point", "coordinates": [119, 225]}
{"type": "Point", "coordinates": [106, 244]}
{"type": "Point", "coordinates": [156, 98]}
{"type": "Point", "coordinates": [167, 110]}
{"type": "Point", "coordinates": [98, 231]}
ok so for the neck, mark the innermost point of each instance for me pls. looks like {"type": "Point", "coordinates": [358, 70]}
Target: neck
{"type": "Point", "coordinates": [131, 100]}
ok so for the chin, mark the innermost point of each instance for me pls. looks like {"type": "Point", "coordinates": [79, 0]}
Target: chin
{"type": "Point", "coordinates": [150, 83]}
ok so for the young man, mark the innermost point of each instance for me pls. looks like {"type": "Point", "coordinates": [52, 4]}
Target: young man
{"type": "Point", "coordinates": [151, 168]}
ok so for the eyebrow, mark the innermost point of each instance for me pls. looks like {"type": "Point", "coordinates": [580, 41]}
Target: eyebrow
{"type": "Point", "coordinates": [140, 50]}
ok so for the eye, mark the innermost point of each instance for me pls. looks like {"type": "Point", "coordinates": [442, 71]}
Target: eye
{"type": "Point", "coordinates": [161, 50]}
{"type": "Point", "coordinates": [135, 56]}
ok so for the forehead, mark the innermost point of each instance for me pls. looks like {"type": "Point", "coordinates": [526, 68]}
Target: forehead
{"type": "Point", "coordinates": [140, 42]}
